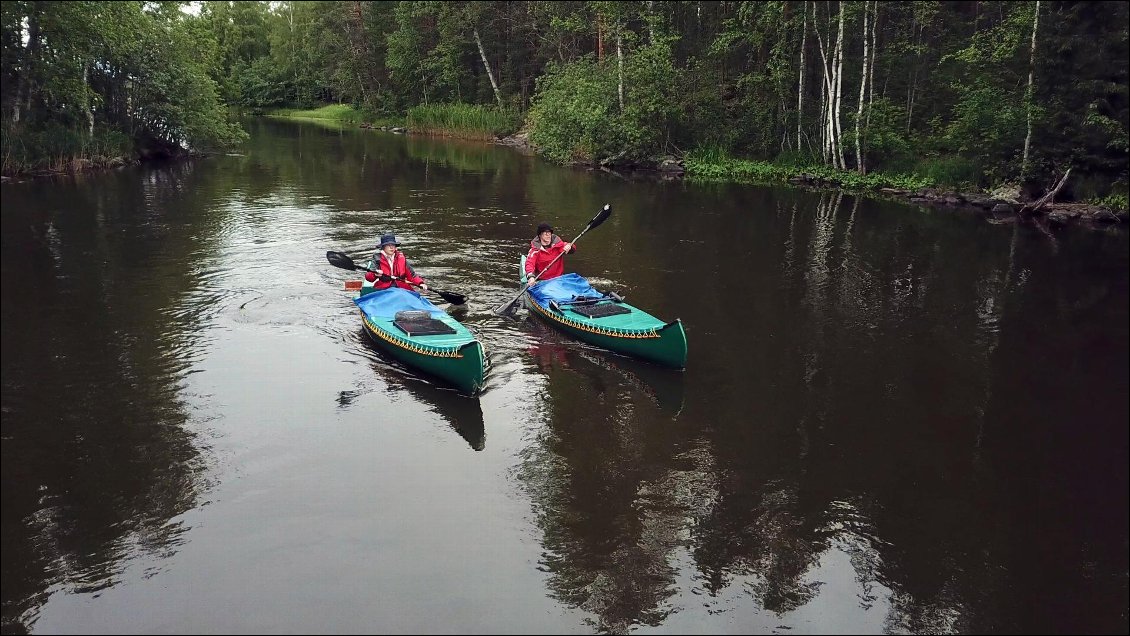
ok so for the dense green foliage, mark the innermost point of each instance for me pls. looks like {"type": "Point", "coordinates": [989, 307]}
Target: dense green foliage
{"type": "Point", "coordinates": [91, 82]}
{"type": "Point", "coordinates": [961, 94]}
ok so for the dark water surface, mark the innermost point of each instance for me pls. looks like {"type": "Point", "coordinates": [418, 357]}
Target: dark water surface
{"type": "Point", "coordinates": [892, 420]}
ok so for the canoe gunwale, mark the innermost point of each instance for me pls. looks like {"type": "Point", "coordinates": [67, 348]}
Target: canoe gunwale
{"type": "Point", "coordinates": [664, 344]}
{"type": "Point", "coordinates": [612, 332]}
{"type": "Point", "coordinates": [461, 365]}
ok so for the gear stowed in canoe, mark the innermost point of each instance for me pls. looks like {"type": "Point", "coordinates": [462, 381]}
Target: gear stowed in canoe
{"type": "Point", "coordinates": [417, 333]}
{"type": "Point", "coordinates": [570, 304]}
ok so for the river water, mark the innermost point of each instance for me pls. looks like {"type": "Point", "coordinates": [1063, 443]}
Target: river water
{"type": "Point", "coordinates": [892, 420]}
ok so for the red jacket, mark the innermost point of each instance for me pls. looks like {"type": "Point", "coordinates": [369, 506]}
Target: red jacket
{"type": "Point", "coordinates": [539, 257]}
{"type": "Point", "coordinates": [400, 268]}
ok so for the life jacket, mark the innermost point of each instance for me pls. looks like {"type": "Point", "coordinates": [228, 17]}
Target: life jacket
{"type": "Point", "coordinates": [400, 269]}
{"type": "Point", "coordinates": [539, 258]}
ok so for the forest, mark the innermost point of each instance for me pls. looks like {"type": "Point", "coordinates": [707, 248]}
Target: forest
{"type": "Point", "coordinates": [959, 94]}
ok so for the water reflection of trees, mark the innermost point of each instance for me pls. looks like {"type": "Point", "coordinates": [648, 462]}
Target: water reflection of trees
{"type": "Point", "coordinates": [877, 409]}
{"type": "Point", "coordinates": [601, 498]}
{"type": "Point", "coordinates": [99, 325]}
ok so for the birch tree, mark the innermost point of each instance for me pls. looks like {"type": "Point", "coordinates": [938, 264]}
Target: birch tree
{"type": "Point", "coordinates": [862, 90]}
{"type": "Point", "coordinates": [620, 63]}
{"type": "Point", "coordinates": [1028, 92]}
{"type": "Point", "coordinates": [800, 82]}
{"type": "Point", "coordinates": [838, 132]}
{"type": "Point", "coordinates": [486, 65]}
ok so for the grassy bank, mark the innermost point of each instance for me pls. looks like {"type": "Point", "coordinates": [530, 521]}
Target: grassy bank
{"type": "Point", "coordinates": [713, 166]}
{"type": "Point", "coordinates": [465, 121]}
{"type": "Point", "coordinates": [342, 113]}
{"type": "Point", "coordinates": [59, 149]}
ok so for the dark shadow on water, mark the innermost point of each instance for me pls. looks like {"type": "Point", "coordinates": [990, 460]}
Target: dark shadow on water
{"type": "Point", "coordinates": [462, 413]}
{"type": "Point", "coordinates": [665, 387]}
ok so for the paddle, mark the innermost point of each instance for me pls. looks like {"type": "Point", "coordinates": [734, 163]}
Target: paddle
{"type": "Point", "coordinates": [338, 259]}
{"type": "Point", "coordinates": [601, 217]}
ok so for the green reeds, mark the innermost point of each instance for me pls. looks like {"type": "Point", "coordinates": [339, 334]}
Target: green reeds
{"type": "Point", "coordinates": [334, 112]}
{"type": "Point", "coordinates": [55, 148]}
{"type": "Point", "coordinates": [467, 121]}
{"type": "Point", "coordinates": [712, 165]}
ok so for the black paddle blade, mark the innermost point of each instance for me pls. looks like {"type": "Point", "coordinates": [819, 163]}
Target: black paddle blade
{"type": "Point", "coordinates": [505, 307]}
{"type": "Point", "coordinates": [601, 217]}
{"type": "Point", "coordinates": [451, 297]}
{"type": "Point", "coordinates": [338, 259]}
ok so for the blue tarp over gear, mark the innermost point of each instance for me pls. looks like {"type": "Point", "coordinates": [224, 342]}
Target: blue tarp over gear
{"type": "Point", "coordinates": [563, 288]}
{"type": "Point", "coordinates": [385, 303]}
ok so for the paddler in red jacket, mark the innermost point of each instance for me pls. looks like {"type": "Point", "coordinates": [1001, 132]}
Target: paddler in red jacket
{"type": "Point", "coordinates": [390, 261]}
{"type": "Point", "coordinates": [544, 248]}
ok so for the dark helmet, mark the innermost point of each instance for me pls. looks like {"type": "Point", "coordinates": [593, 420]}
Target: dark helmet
{"type": "Point", "coordinates": [387, 239]}
{"type": "Point", "coordinates": [544, 227]}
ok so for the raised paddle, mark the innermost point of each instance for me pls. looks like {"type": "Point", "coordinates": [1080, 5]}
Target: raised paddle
{"type": "Point", "coordinates": [339, 259]}
{"type": "Point", "coordinates": [600, 217]}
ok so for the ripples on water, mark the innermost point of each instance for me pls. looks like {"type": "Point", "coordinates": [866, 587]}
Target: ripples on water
{"type": "Point", "coordinates": [891, 421]}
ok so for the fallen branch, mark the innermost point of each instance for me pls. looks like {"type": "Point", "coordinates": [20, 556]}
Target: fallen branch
{"type": "Point", "coordinates": [1047, 198]}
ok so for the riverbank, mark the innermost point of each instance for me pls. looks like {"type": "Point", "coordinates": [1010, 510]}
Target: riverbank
{"type": "Point", "coordinates": [58, 150]}
{"type": "Point", "coordinates": [342, 113]}
{"type": "Point", "coordinates": [1002, 205]}
{"type": "Point", "coordinates": [75, 166]}
{"type": "Point", "coordinates": [459, 121]}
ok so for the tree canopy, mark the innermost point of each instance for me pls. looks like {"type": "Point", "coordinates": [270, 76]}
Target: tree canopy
{"type": "Point", "coordinates": [966, 92]}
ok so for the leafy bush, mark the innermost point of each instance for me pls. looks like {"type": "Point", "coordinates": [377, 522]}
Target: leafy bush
{"type": "Point", "coordinates": [575, 115]}
{"type": "Point", "coordinates": [572, 114]}
{"type": "Point", "coordinates": [1112, 201]}
{"type": "Point", "coordinates": [954, 171]}
{"type": "Point", "coordinates": [887, 143]}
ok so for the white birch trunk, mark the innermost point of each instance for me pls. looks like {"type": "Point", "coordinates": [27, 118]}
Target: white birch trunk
{"type": "Point", "coordinates": [1028, 92]}
{"type": "Point", "coordinates": [871, 72]}
{"type": "Point", "coordinates": [620, 65]}
{"type": "Point", "coordinates": [862, 93]}
{"type": "Point", "coordinates": [486, 65]}
{"type": "Point", "coordinates": [650, 21]}
{"type": "Point", "coordinates": [89, 102]}
{"type": "Point", "coordinates": [824, 122]}
{"type": "Point", "coordinates": [825, 94]}
{"type": "Point", "coordinates": [839, 91]}
{"type": "Point", "coordinates": [800, 84]}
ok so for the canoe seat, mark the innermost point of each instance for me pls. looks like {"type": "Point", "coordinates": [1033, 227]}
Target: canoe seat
{"type": "Point", "coordinates": [420, 323]}
{"type": "Point", "coordinates": [600, 311]}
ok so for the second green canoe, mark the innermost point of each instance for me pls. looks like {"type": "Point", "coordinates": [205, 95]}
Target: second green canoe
{"type": "Point", "coordinates": [570, 304]}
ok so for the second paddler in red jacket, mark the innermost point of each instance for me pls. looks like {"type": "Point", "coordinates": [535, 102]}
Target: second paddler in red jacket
{"type": "Point", "coordinates": [390, 261]}
{"type": "Point", "coordinates": [545, 247]}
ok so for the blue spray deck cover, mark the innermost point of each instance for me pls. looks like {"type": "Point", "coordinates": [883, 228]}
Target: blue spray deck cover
{"type": "Point", "coordinates": [385, 303]}
{"type": "Point", "coordinates": [563, 288]}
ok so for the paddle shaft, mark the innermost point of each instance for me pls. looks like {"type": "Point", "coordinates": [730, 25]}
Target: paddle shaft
{"type": "Point", "coordinates": [451, 297]}
{"type": "Point", "coordinates": [339, 259]}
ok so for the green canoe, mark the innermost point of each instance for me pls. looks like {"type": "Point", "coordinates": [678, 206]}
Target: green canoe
{"type": "Point", "coordinates": [631, 331]}
{"type": "Point", "coordinates": [455, 357]}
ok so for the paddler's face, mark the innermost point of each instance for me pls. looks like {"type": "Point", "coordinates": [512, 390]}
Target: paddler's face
{"type": "Point", "coordinates": [389, 249]}
{"type": "Point", "coordinates": [545, 237]}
